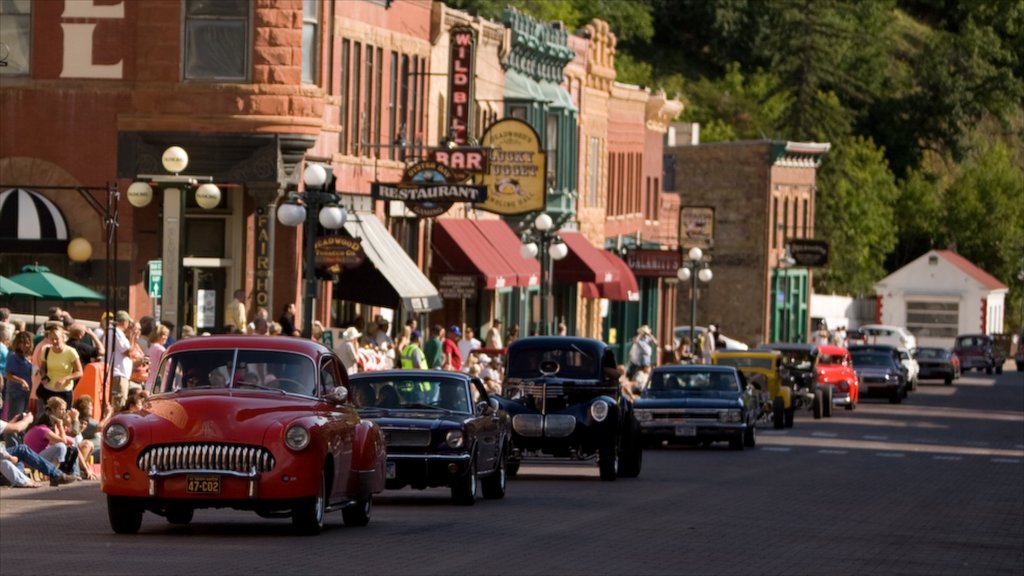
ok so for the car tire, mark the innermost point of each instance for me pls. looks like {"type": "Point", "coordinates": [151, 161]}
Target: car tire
{"type": "Point", "coordinates": [999, 369]}
{"type": "Point", "coordinates": [308, 515]}
{"type": "Point", "coordinates": [988, 370]}
{"type": "Point", "coordinates": [816, 405]}
{"type": "Point", "coordinates": [826, 402]}
{"type": "Point", "coordinates": [608, 462]}
{"type": "Point", "coordinates": [494, 484]}
{"type": "Point", "coordinates": [180, 516]}
{"type": "Point", "coordinates": [125, 514]}
{"type": "Point", "coordinates": [631, 457]}
{"type": "Point", "coordinates": [750, 436]}
{"type": "Point", "coordinates": [358, 513]}
{"type": "Point", "coordinates": [896, 397]}
{"type": "Point", "coordinates": [778, 413]}
{"type": "Point", "coordinates": [790, 416]}
{"type": "Point", "coordinates": [948, 380]}
{"type": "Point", "coordinates": [464, 487]}
{"type": "Point", "coordinates": [736, 443]}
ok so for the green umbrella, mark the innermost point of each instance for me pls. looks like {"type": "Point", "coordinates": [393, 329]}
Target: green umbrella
{"type": "Point", "coordinates": [9, 287]}
{"type": "Point", "coordinates": [52, 286]}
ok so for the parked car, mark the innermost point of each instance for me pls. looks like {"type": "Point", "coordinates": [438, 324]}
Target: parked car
{"type": "Point", "coordinates": [564, 398]}
{"type": "Point", "coordinates": [897, 336]}
{"type": "Point", "coordinates": [879, 373]}
{"type": "Point", "coordinates": [730, 344]}
{"type": "Point", "coordinates": [698, 404]}
{"type": "Point", "coordinates": [835, 370]}
{"type": "Point", "coordinates": [245, 422]}
{"type": "Point", "coordinates": [903, 358]}
{"type": "Point", "coordinates": [441, 429]}
{"type": "Point", "coordinates": [937, 363]}
{"type": "Point", "coordinates": [763, 371]}
{"type": "Point", "coordinates": [979, 351]}
{"type": "Point", "coordinates": [800, 373]}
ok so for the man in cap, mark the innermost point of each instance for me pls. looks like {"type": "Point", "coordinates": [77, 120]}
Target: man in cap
{"type": "Point", "coordinates": [348, 349]}
{"type": "Point", "coordinates": [450, 349]}
{"type": "Point", "coordinates": [412, 355]}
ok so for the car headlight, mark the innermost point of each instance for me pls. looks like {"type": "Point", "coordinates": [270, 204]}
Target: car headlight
{"type": "Point", "coordinates": [296, 437]}
{"type": "Point", "coordinates": [598, 411]}
{"type": "Point", "coordinates": [644, 415]}
{"type": "Point", "coordinates": [454, 439]}
{"type": "Point", "coordinates": [729, 416]}
{"type": "Point", "coordinates": [116, 436]}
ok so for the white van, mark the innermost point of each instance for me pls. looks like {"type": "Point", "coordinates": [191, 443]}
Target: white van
{"type": "Point", "coordinates": [893, 335]}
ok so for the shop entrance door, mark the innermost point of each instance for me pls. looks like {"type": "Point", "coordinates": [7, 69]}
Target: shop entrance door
{"type": "Point", "coordinates": [205, 298]}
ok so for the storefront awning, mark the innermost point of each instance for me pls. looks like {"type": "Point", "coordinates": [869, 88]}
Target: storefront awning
{"type": "Point", "coordinates": [584, 263]}
{"type": "Point", "coordinates": [388, 275]}
{"type": "Point", "coordinates": [624, 289]}
{"type": "Point", "coordinates": [506, 243]}
{"type": "Point", "coordinates": [519, 86]}
{"type": "Point", "coordinates": [557, 96]}
{"type": "Point", "coordinates": [461, 248]}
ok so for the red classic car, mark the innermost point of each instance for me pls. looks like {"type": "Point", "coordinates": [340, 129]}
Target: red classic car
{"type": "Point", "coordinates": [246, 422]}
{"type": "Point", "coordinates": [835, 369]}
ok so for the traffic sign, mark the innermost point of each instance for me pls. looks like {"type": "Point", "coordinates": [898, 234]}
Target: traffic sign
{"type": "Point", "coordinates": [156, 278]}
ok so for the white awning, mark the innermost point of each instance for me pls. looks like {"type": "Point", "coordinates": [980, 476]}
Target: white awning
{"type": "Point", "coordinates": [390, 262]}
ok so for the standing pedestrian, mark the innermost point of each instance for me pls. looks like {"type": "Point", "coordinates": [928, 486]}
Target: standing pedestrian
{"type": "Point", "coordinates": [433, 347]}
{"type": "Point", "coordinates": [450, 349]}
{"type": "Point", "coordinates": [412, 355]}
{"type": "Point", "coordinates": [235, 315]}
{"type": "Point", "coordinates": [707, 349]}
{"type": "Point", "coordinates": [287, 320]}
{"type": "Point", "coordinates": [493, 337]}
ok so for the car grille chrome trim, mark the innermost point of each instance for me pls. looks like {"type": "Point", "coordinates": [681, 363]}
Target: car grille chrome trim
{"type": "Point", "coordinates": [206, 456]}
{"type": "Point", "coordinates": [406, 437]}
{"type": "Point", "coordinates": [559, 425]}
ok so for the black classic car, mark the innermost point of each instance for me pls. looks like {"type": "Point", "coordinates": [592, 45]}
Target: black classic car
{"type": "Point", "coordinates": [880, 375]}
{"type": "Point", "coordinates": [441, 429]}
{"type": "Point", "coordinates": [564, 397]}
{"type": "Point", "coordinates": [939, 363]}
{"type": "Point", "coordinates": [800, 373]}
{"type": "Point", "coordinates": [698, 404]}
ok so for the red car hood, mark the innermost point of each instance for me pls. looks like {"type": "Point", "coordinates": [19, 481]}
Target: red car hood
{"type": "Point", "coordinates": [241, 416]}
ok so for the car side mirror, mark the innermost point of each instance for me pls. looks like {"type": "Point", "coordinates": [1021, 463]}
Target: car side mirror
{"type": "Point", "coordinates": [339, 395]}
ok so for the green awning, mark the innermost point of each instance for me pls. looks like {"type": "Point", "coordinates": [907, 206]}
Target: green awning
{"type": "Point", "coordinates": [519, 86]}
{"type": "Point", "coordinates": [557, 96]}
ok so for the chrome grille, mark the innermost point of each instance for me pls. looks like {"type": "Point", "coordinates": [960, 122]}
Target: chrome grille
{"type": "Point", "coordinates": [206, 456]}
{"type": "Point", "coordinates": [411, 438]}
{"type": "Point", "coordinates": [543, 390]}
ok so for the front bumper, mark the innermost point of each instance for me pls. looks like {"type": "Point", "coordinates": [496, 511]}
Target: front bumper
{"type": "Point", "coordinates": [692, 431]}
{"type": "Point", "coordinates": [425, 470]}
{"type": "Point", "coordinates": [842, 398]}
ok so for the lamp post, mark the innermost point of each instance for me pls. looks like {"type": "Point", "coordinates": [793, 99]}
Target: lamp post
{"type": "Point", "coordinates": [785, 263]}
{"type": "Point", "coordinates": [208, 195]}
{"type": "Point", "coordinates": [693, 268]}
{"type": "Point", "coordinates": [551, 248]}
{"type": "Point", "coordinates": [318, 203]}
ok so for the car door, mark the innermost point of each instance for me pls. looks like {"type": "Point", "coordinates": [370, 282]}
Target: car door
{"type": "Point", "coordinates": [340, 425]}
{"type": "Point", "coordinates": [486, 422]}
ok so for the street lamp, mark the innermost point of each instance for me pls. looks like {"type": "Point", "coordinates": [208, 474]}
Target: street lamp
{"type": "Point", "coordinates": [318, 203]}
{"type": "Point", "coordinates": [550, 248]}
{"type": "Point", "coordinates": [208, 195]}
{"type": "Point", "coordinates": [693, 268]}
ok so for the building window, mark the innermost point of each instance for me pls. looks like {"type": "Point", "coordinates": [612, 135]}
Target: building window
{"type": "Point", "coordinates": [310, 40]}
{"type": "Point", "coordinates": [343, 110]}
{"type": "Point", "coordinates": [517, 112]}
{"type": "Point", "coordinates": [16, 37]}
{"type": "Point", "coordinates": [398, 132]}
{"type": "Point", "coordinates": [357, 63]}
{"type": "Point", "coordinates": [366, 115]}
{"type": "Point", "coordinates": [931, 319]}
{"type": "Point", "coordinates": [217, 42]}
{"type": "Point", "coordinates": [595, 171]}
{"type": "Point", "coordinates": [552, 145]}
{"type": "Point", "coordinates": [378, 104]}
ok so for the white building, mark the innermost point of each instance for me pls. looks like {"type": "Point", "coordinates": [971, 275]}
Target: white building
{"type": "Point", "coordinates": [940, 295]}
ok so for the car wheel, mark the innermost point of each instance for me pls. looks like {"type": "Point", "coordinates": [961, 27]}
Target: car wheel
{"type": "Point", "coordinates": [464, 488]}
{"type": "Point", "coordinates": [358, 513]}
{"type": "Point", "coordinates": [949, 380]}
{"type": "Point", "coordinates": [826, 403]}
{"type": "Point", "coordinates": [308, 515]}
{"type": "Point", "coordinates": [988, 370]}
{"type": "Point", "coordinates": [125, 514]}
{"type": "Point", "coordinates": [790, 416]}
{"type": "Point", "coordinates": [779, 413]}
{"type": "Point", "coordinates": [750, 436]}
{"type": "Point", "coordinates": [494, 485]}
{"type": "Point", "coordinates": [736, 443]}
{"type": "Point", "coordinates": [180, 516]}
{"type": "Point", "coordinates": [632, 455]}
{"type": "Point", "coordinates": [850, 405]}
{"type": "Point", "coordinates": [608, 462]}
{"type": "Point", "coordinates": [999, 369]}
{"type": "Point", "coordinates": [816, 405]}
{"type": "Point", "coordinates": [896, 396]}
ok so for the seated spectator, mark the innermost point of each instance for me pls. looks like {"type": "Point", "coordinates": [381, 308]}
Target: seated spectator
{"type": "Point", "coordinates": [48, 437]}
{"type": "Point", "coordinates": [20, 456]}
{"type": "Point", "coordinates": [136, 400]}
{"type": "Point", "coordinates": [89, 444]}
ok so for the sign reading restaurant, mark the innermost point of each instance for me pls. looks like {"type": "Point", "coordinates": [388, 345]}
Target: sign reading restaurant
{"type": "Point", "coordinates": [428, 189]}
{"type": "Point", "coordinates": [516, 168]}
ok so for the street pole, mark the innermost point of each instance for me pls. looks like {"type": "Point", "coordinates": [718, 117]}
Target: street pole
{"type": "Point", "coordinates": [309, 256]}
{"type": "Point", "coordinates": [545, 283]}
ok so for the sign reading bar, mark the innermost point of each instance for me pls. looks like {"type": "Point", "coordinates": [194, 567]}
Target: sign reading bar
{"type": "Point", "coordinates": [456, 286]}
{"type": "Point", "coordinates": [656, 263]}
{"type": "Point", "coordinates": [809, 253]}
{"type": "Point", "coordinates": [517, 165]}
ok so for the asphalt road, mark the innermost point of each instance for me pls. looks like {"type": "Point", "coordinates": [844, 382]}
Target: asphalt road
{"type": "Point", "coordinates": [932, 486]}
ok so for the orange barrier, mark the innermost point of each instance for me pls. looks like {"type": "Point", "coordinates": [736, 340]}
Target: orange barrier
{"type": "Point", "coordinates": [91, 383]}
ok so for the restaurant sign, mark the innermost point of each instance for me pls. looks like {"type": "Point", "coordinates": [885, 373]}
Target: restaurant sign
{"type": "Point", "coordinates": [428, 189]}
{"type": "Point", "coordinates": [809, 253]}
{"type": "Point", "coordinates": [515, 177]}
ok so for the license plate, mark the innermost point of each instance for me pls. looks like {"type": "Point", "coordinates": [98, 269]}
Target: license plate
{"type": "Point", "coordinates": [201, 484]}
{"type": "Point", "coordinates": [390, 471]}
{"type": "Point", "coordinates": [686, 430]}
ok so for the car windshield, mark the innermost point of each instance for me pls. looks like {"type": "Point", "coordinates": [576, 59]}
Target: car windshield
{"type": "Point", "coordinates": [669, 384]}
{"type": "Point", "coordinates": [872, 360]}
{"type": "Point", "coordinates": [233, 368]}
{"type": "Point", "coordinates": [396, 391]}
{"type": "Point", "coordinates": [744, 362]}
{"type": "Point", "coordinates": [930, 353]}
{"type": "Point", "coordinates": [970, 342]}
{"type": "Point", "coordinates": [571, 362]}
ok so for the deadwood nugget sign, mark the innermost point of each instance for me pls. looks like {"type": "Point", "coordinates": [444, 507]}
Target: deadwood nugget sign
{"type": "Point", "coordinates": [428, 189]}
{"type": "Point", "coordinates": [516, 168]}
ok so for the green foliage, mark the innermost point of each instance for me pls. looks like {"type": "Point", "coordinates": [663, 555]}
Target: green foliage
{"type": "Point", "coordinates": [856, 194]}
{"type": "Point", "coordinates": [735, 106]}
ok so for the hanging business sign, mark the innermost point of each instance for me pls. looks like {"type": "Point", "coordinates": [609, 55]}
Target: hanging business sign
{"type": "Point", "coordinates": [338, 251]}
{"type": "Point", "coordinates": [428, 189]}
{"type": "Point", "coordinates": [460, 83]}
{"type": "Point", "coordinates": [654, 263]}
{"type": "Point", "coordinates": [809, 253]}
{"type": "Point", "coordinates": [697, 227]}
{"type": "Point", "coordinates": [515, 179]}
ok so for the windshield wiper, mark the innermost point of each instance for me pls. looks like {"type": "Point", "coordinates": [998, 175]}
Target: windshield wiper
{"type": "Point", "coordinates": [427, 406]}
{"type": "Point", "coordinates": [260, 386]}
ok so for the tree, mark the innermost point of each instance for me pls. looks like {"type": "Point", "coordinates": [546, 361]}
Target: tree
{"type": "Point", "coordinates": [856, 194]}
